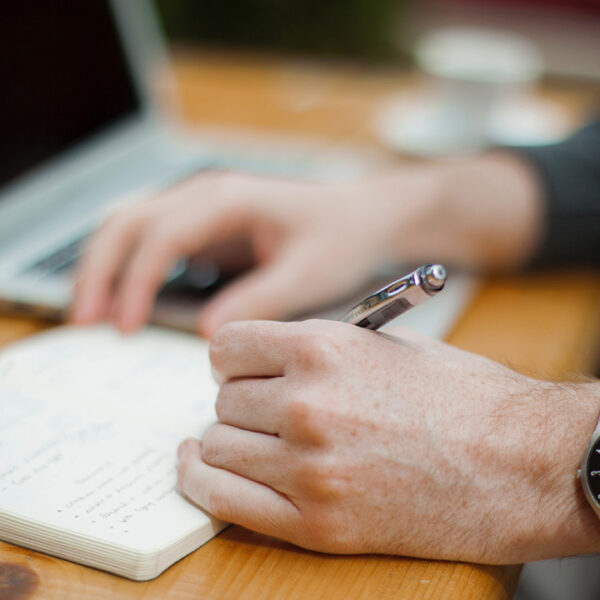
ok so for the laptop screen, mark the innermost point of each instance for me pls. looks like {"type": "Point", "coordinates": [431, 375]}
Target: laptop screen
{"type": "Point", "coordinates": [63, 75]}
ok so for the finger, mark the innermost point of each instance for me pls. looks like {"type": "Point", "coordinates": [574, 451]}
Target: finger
{"type": "Point", "coordinates": [251, 349]}
{"type": "Point", "coordinates": [185, 233]}
{"type": "Point", "coordinates": [205, 210]}
{"type": "Point", "coordinates": [108, 248]}
{"type": "Point", "coordinates": [233, 498]}
{"type": "Point", "coordinates": [253, 404]}
{"type": "Point", "coordinates": [100, 264]}
{"type": "Point", "coordinates": [257, 456]}
{"type": "Point", "coordinates": [275, 290]}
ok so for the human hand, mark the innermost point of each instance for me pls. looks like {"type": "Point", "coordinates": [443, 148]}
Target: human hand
{"type": "Point", "coordinates": [342, 440]}
{"type": "Point", "coordinates": [311, 243]}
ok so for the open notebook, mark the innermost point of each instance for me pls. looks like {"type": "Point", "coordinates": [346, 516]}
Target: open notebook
{"type": "Point", "coordinates": [89, 426]}
{"type": "Point", "coordinates": [90, 422]}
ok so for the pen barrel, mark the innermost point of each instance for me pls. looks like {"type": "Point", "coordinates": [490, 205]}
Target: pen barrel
{"type": "Point", "coordinates": [397, 297]}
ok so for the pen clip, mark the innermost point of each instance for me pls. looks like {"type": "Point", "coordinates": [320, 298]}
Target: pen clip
{"type": "Point", "coordinates": [397, 297]}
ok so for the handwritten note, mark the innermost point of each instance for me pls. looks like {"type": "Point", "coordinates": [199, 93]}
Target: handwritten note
{"type": "Point", "coordinates": [89, 426]}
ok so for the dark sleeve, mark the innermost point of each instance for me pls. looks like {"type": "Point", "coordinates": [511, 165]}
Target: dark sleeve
{"type": "Point", "coordinates": [570, 176]}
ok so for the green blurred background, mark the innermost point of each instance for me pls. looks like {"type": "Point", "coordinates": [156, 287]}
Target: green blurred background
{"type": "Point", "coordinates": [346, 28]}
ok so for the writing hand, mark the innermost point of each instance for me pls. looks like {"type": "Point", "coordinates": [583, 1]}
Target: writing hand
{"type": "Point", "coordinates": [342, 440]}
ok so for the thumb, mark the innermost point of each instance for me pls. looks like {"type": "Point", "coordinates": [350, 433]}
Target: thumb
{"type": "Point", "coordinates": [272, 291]}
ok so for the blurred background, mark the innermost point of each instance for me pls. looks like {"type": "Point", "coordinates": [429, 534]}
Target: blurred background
{"type": "Point", "coordinates": [352, 28]}
{"type": "Point", "coordinates": [469, 74]}
{"type": "Point", "coordinates": [566, 31]}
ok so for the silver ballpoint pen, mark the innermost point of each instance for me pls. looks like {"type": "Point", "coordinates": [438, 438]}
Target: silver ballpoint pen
{"type": "Point", "coordinates": [397, 297]}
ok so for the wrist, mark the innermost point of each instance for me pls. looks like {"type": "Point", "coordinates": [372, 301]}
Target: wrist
{"type": "Point", "coordinates": [494, 210]}
{"type": "Point", "coordinates": [408, 211]}
{"type": "Point", "coordinates": [565, 523]}
{"type": "Point", "coordinates": [482, 212]}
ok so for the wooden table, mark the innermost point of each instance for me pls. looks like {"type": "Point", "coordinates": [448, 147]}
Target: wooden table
{"type": "Point", "coordinates": [545, 324]}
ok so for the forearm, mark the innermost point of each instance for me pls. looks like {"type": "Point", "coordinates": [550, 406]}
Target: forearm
{"type": "Point", "coordinates": [483, 212]}
{"type": "Point", "coordinates": [504, 209]}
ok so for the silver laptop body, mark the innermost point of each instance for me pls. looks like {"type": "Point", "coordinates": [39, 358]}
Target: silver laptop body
{"type": "Point", "coordinates": [80, 130]}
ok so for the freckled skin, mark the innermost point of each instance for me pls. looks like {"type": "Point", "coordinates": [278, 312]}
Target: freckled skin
{"type": "Point", "coordinates": [344, 440]}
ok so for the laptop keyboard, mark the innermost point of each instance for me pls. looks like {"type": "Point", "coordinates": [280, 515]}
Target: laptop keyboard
{"type": "Point", "coordinates": [60, 261]}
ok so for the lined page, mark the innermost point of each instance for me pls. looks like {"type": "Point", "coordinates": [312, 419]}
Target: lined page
{"type": "Point", "coordinates": [89, 426]}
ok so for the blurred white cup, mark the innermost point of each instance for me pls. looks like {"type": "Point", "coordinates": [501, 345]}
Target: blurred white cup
{"type": "Point", "coordinates": [478, 93]}
{"type": "Point", "coordinates": [473, 71]}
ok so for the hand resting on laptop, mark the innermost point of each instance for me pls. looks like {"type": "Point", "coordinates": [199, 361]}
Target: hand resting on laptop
{"type": "Point", "coordinates": [310, 243]}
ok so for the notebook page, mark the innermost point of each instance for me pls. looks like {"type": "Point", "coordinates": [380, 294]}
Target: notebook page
{"type": "Point", "coordinates": [89, 426]}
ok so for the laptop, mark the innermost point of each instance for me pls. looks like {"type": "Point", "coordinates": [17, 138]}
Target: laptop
{"type": "Point", "coordinates": [80, 130]}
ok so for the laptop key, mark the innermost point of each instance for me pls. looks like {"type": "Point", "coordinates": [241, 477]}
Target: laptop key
{"type": "Point", "coordinates": [60, 260]}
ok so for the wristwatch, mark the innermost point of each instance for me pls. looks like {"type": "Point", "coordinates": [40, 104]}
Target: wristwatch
{"type": "Point", "coordinates": [589, 472]}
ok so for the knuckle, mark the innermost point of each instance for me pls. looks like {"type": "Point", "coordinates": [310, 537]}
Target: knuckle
{"type": "Point", "coordinates": [304, 420]}
{"type": "Point", "coordinates": [316, 348]}
{"type": "Point", "coordinates": [299, 411]}
{"type": "Point", "coordinates": [318, 479]}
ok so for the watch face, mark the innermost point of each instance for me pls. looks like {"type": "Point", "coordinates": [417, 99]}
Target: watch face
{"type": "Point", "coordinates": [592, 472]}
